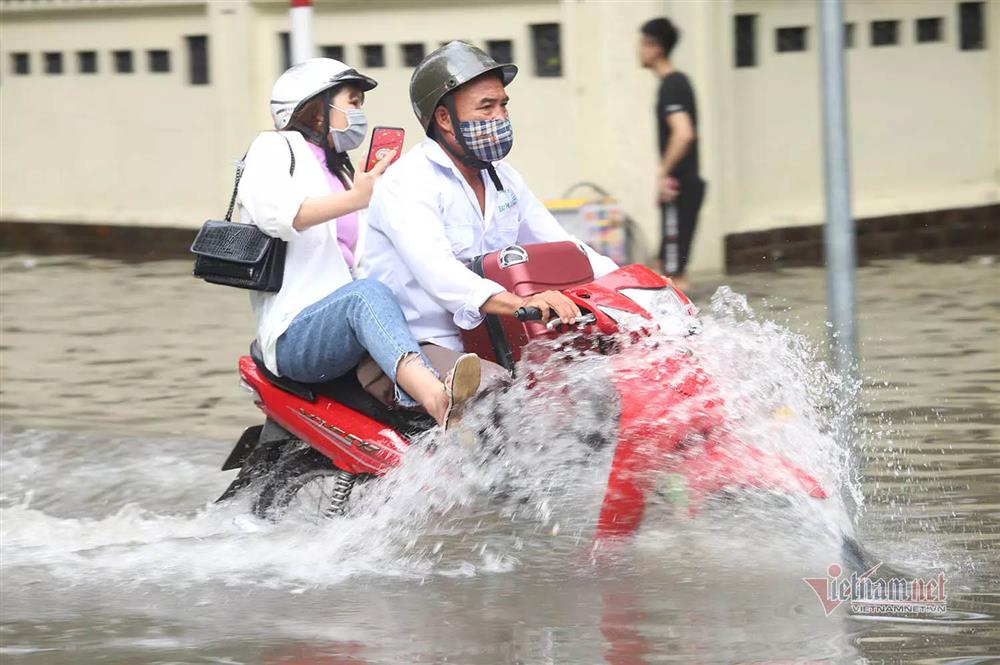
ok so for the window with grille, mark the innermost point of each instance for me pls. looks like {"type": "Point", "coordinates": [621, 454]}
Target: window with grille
{"type": "Point", "coordinates": [197, 49]}
{"type": "Point", "coordinates": [849, 30]}
{"type": "Point", "coordinates": [335, 51]}
{"type": "Point", "coordinates": [501, 50]}
{"type": "Point", "coordinates": [929, 30]}
{"type": "Point", "coordinates": [159, 61]}
{"type": "Point", "coordinates": [123, 62]}
{"type": "Point", "coordinates": [412, 54]}
{"type": "Point", "coordinates": [285, 49]}
{"type": "Point", "coordinates": [885, 33]}
{"type": "Point", "coordinates": [848, 35]}
{"type": "Point", "coordinates": [971, 35]}
{"type": "Point", "coordinates": [547, 44]}
{"type": "Point", "coordinates": [53, 62]}
{"type": "Point", "coordinates": [789, 40]}
{"type": "Point", "coordinates": [373, 55]}
{"type": "Point", "coordinates": [86, 62]}
{"type": "Point", "coordinates": [20, 63]}
{"type": "Point", "coordinates": [745, 40]}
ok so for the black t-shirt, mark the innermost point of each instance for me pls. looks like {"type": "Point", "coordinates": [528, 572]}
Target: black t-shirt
{"type": "Point", "coordinates": [677, 95]}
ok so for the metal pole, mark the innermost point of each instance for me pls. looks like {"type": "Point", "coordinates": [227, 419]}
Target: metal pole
{"type": "Point", "coordinates": [301, 13]}
{"type": "Point", "coordinates": [838, 232]}
{"type": "Point", "coordinates": [838, 237]}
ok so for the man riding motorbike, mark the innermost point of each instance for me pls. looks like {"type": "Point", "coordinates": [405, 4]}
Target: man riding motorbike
{"type": "Point", "coordinates": [451, 199]}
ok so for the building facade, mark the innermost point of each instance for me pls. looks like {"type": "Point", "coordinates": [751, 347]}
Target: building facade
{"type": "Point", "coordinates": [133, 111]}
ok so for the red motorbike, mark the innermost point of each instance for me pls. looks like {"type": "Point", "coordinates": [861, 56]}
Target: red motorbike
{"type": "Point", "coordinates": [671, 421]}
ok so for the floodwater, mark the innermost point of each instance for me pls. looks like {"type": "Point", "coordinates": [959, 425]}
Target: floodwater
{"type": "Point", "coordinates": [120, 402]}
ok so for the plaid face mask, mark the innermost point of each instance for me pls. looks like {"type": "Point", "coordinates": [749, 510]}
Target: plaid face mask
{"type": "Point", "coordinates": [488, 140]}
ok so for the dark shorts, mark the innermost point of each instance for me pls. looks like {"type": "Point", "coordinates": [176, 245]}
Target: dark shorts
{"type": "Point", "coordinates": [678, 221]}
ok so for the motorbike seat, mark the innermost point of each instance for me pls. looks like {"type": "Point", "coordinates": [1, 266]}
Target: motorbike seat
{"type": "Point", "coordinates": [300, 390]}
{"type": "Point", "coordinates": [347, 391]}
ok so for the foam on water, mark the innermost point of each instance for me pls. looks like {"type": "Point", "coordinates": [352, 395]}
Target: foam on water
{"type": "Point", "coordinates": [134, 511]}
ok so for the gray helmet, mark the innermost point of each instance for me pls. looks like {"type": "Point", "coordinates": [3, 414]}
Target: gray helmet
{"type": "Point", "coordinates": [445, 69]}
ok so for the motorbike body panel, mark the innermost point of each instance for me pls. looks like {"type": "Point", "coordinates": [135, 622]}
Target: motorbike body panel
{"type": "Point", "coordinates": [673, 422]}
{"type": "Point", "coordinates": [353, 441]}
{"type": "Point", "coordinates": [523, 270]}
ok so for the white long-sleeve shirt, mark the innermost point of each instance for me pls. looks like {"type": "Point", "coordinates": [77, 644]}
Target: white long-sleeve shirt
{"type": "Point", "coordinates": [425, 225]}
{"type": "Point", "coordinates": [314, 264]}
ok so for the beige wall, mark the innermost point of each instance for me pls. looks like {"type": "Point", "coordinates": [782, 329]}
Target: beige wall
{"type": "Point", "coordinates": [105, 147]}
{"type": "Point", "coordinates": [152, 149]}
{"type": "Point", "coordinates": [922, 117]}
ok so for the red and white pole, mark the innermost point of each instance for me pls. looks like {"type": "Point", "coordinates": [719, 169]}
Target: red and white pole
{"type": "Point", "coordinates": [301, 15]}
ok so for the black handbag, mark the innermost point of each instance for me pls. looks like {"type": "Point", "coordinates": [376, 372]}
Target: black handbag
{"type": "Point", "coordinates": [240, 255]}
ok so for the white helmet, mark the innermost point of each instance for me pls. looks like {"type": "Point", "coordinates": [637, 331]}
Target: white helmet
{"type": "Point", "coordinates": [303, 81]}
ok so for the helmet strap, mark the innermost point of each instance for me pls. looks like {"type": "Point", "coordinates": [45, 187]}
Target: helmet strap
{"type": "Point", "coordinates": [327, 100]}
{"type": "Point", "coordinates": [494, 177]}
{"type": "Point", "coordinates": [311, 134]}
{"type": "Point", "coordinates": [466, 156]}
{"type": "Point", "coordinates": [309, 131]}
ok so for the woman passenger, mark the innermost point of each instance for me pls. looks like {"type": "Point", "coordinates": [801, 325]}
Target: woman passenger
{"type": "Point", "coordinates": [322, 322]}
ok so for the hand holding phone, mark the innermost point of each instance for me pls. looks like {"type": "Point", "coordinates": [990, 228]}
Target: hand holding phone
{"type": "Point", "coordinates": [384, 140]}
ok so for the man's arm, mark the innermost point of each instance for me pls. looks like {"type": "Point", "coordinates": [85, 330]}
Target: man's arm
{"type": "Point", "coordinates": [682, 136]}
{"type": "Point", "coordinates": [675, 103]}
{"type": "Point", "coordinates": [506, 304]}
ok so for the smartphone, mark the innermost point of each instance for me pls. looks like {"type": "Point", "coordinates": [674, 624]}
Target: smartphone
{"type": "Point", "coordinates": [384, 139]}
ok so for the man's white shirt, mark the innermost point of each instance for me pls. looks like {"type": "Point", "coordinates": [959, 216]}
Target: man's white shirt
{"type": "Point", "coordinates": [425, 226]}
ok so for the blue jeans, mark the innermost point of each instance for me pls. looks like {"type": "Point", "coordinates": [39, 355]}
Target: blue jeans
{"type": "Point", "coordinates": [330, 337]}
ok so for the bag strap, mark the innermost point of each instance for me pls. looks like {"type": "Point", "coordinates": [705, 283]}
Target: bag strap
{"type": "Point", "coordinates": [239, 174]}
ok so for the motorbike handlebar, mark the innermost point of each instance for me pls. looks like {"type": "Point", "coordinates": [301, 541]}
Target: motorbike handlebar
{"type": "Point", "coordinates": [535, 314]}
{"type": "Point", "coordinates": [528, 314]}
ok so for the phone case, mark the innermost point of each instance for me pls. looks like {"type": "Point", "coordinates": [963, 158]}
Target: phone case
{"type": "Point", "coordinates": [384, 139]}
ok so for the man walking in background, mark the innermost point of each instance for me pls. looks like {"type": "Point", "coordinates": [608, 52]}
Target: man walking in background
{"type": "Point", "coordinates": [679, 187]}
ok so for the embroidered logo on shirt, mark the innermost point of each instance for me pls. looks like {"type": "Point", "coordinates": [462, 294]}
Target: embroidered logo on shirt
{"type": "Point", "coordinates": [504, 206]}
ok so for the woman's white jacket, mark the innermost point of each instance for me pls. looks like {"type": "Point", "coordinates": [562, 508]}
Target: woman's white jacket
{"type": "Point", "coordinates": [270, 198]}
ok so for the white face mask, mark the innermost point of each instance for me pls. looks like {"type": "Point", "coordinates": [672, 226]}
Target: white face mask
{"type": "Point", "coordinates": [354, 134]}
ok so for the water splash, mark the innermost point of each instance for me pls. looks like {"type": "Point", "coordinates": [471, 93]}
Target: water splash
{"type": "Point", "coordinates": [527, 494]}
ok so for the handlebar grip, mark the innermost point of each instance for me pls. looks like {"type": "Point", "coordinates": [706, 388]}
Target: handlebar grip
{"type": "Point", "coordinates": [528, 314]}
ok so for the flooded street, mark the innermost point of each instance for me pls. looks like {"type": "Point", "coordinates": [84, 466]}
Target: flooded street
{"type": "Point", "coordinates": [120, 402]}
